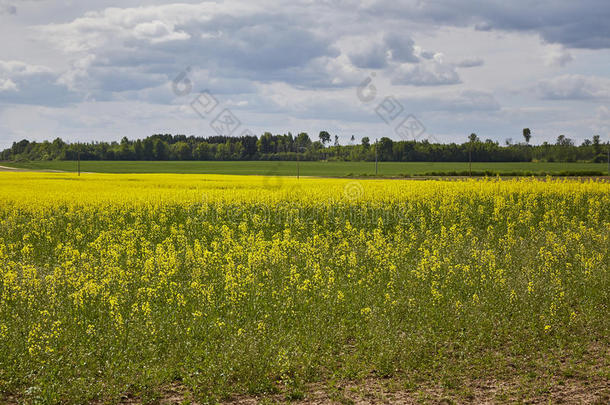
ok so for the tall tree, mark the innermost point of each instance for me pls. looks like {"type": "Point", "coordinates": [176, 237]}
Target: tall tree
{"type": "Point", "coordinates": [265, 143]}
{"type": "Point", "coordinates": [182, 150]}
{"type": "Point", "coordinates": [597, 149]}
{"type": "Point", "coordinates": [527, 134]}
{"type": "Point", "coordinates": [303, 140]}
{"type": "Point", "coordinates": [324, 137]}
{"type": "Point", "coordinates": [385, 148]}
{"type": "Point", "coordinates": [161, 150]}
{"type": "Point", "coordinates": [472, 139]}
{"type": "Point", "coordinates": [562, 140]}
{"type": "Point", "coordinates": [148, 152]}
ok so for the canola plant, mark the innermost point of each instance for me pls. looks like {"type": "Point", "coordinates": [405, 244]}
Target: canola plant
{"type": "Point", "coordinates": [111, 284]}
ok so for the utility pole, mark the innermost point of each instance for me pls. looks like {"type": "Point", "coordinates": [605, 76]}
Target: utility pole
{"type": "Point", "coordinates": [375, 157]}
{"type": "Point", "coordinates": [609, 158]}
{"type": "Point", "coordinates": [472, 137]}
{"type": "Point", "coordinates": [299, 148]}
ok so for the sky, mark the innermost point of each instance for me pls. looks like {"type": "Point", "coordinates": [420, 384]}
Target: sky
{"type": "Point", "coordinates": [100, 70]}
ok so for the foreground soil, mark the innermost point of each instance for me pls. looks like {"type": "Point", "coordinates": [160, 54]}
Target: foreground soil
{"type": "Point", "coordinates": [555, 379]}
{"type": "Point", "coordinates": [388, 391]}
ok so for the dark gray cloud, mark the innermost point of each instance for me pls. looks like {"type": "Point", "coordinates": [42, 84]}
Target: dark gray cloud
{"type": "Point", "coordinates": [260, 46]}
{"type": "Point", "coordinates": [401, 47]}
{"type": "Point", "coordinates": [373, 56]}
{"type": "Point", "coordinates": [574, 24]}
{"type": "Point", "coordinates": [157, 42]}
{"type": "Point", "coordinates": [393, 47]}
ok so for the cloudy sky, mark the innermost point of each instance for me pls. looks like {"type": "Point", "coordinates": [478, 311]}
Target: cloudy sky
{"type": "Point", "coordinates": [101, 70]}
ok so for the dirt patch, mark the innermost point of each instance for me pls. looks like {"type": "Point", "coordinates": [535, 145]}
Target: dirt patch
{"type": "Point", "coordinates": [19, 169]}
{"type": "Point", "coordinates": [376, 391]}
{"type": "Point", "coordinates": [479, 392]}
{"type": "Point", "coordinates": [10, 169]}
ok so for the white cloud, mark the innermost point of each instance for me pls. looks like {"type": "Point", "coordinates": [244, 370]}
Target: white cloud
{"type": "Point", "coordinates": [575, 87]}
{"type": "Point", "coordinates": [434, 72]}
{"type": "Point", "coordinates": [21, 69]}
{"type": "Point", "coordinates": [7, 85]}
{"type": "Point", "coordinates": [21, 82]}
{"type": "Point", "coordinates": [558, 56]}
{"type": "Point", "coordinates": [158, 32]}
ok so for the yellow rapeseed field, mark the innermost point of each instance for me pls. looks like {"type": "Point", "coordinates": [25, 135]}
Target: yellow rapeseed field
{"type": "Point", "coordinates": [114, 284]}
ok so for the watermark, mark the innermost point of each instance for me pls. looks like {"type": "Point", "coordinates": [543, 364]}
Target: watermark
{"type": "Point", "coordinates": [353, 190]}
{"type": "Point", "coordinates": [182, 84]}
{"type": "Point", "coordinates": [282, 214]}
{"type": "Point", "coordinates": [206, 106]}
{"type": "Point", "coordinates": [223, 121]}
{"type": "Point", "coordinates": [392, 112]}
{"type": "Point", "coordinates": [389, 109]}
{"type": "Point", "coordinates": [410, 128]}
{"type": "Point", "coordinates": [272, 180]}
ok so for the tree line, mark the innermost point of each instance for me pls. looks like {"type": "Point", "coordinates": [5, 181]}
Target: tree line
{"type": "Point", "coordinates": [288, 147]}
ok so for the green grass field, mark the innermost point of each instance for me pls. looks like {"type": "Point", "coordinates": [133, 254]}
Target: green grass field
{"type": "Point", "coordinates": [324, 169]}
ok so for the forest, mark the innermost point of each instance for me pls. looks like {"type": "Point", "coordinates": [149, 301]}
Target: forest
{"type": "Point", "coordinates": [288, 147]}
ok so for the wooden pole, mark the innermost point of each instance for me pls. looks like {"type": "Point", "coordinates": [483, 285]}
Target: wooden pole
{"type": "Point", "coordinates": [375, 157]}
{"type": "Point", "coordinates": [299, 149]}
{"type": "Point", "coordinates": [470, 160]}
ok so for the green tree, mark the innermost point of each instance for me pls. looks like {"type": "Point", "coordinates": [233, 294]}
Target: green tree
{"type": "Point", "coordinates": [266, 144]}
{"type": "Point", "coordinates": [597, 147]}
{"type": "Point", "coordinates": [148, 152]}
{"type": "Point", "coordinates": [324, 137]}
{"type": "Point", "coordinates": [386, 146]}
{"type": "Point", "coordinates": [202, 151]}
{"type": "Point", "coordinates": [182, 150]}
{"type": "Point", "coordinates": [527, 134]}
{"type": "Point", "coordinates": [138, 150]}
{"type": "Point", "coordinates": [562, 140]}
{"type": "Point", "coordinates": [161, 150]}
{"type": "Point", "coordinates": [303, 140]}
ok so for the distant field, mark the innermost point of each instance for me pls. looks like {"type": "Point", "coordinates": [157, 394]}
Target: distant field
{"type": "Point", "coordinates": [324, 169]}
